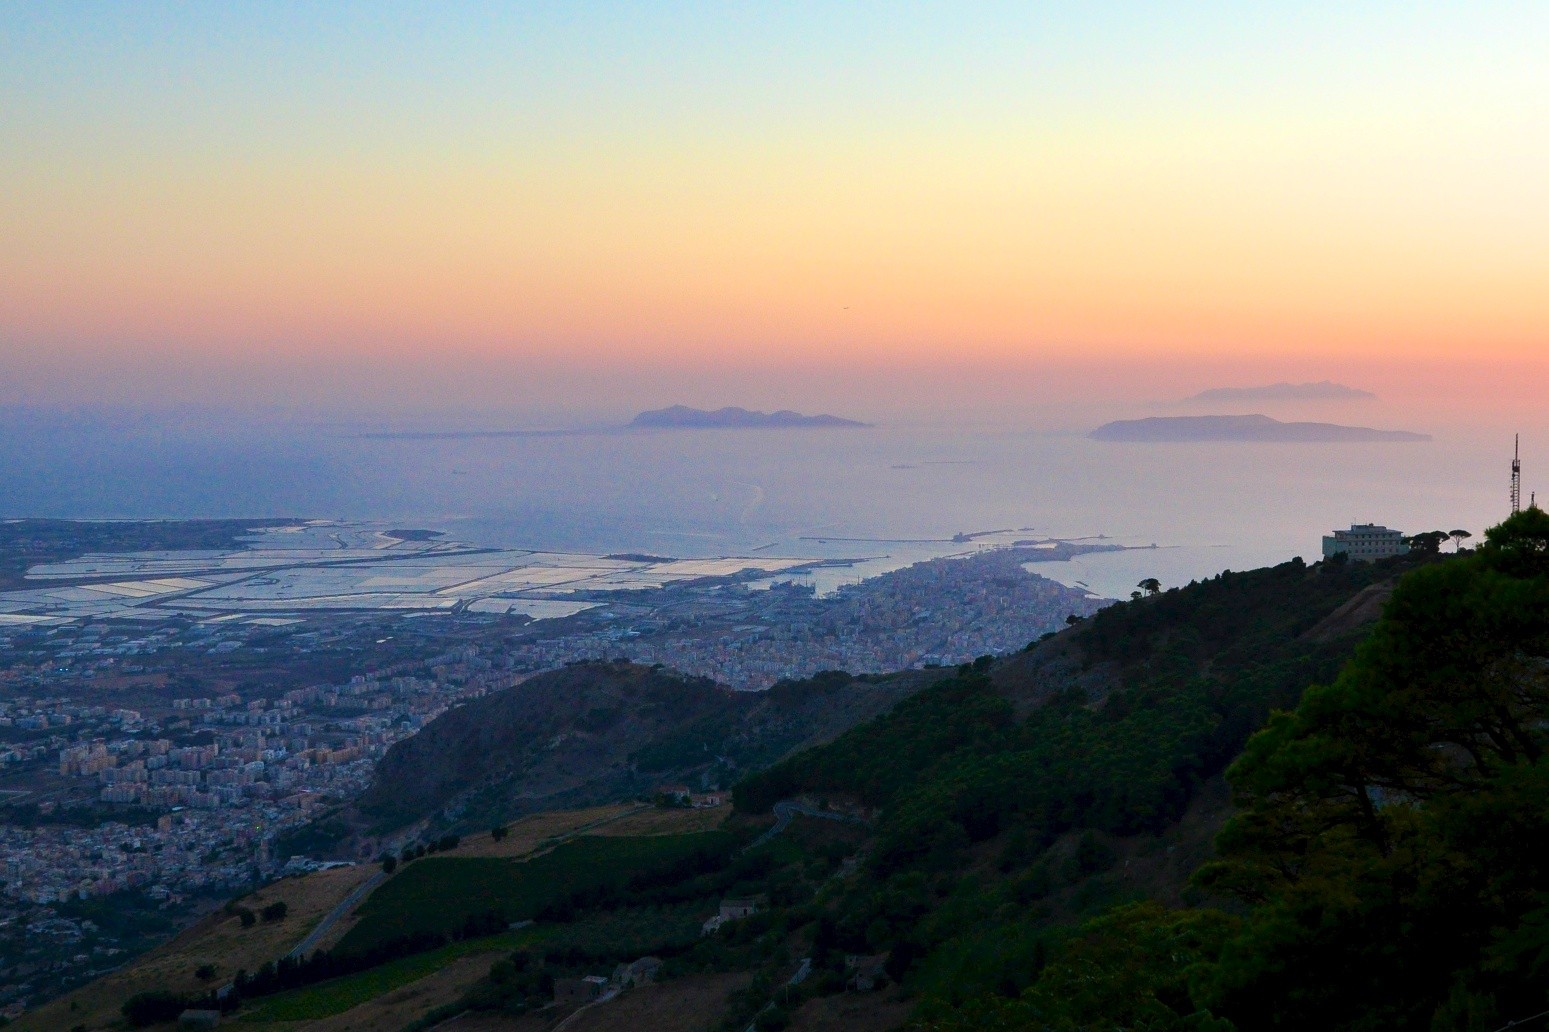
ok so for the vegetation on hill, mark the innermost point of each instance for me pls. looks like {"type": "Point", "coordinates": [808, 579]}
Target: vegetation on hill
{"type": "Point", "coordinates": [996, 835]}
{"type": "Point", "coordinates": [441, 894]}
{"type": "Point", "coordinates": [1037, 849]}
{"type": "Point", "coordinates": [1390, 831]}
{"type": "Point", "coordinates": [600, 732]}
{"type": "Point", "coordinates": [1198, 669]}
{"type": "Point", "coordinates": [1385, 854]}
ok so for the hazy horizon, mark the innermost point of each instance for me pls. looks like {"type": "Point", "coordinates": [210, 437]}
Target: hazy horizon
{"type": "Point", "coordinates": [239, 239]}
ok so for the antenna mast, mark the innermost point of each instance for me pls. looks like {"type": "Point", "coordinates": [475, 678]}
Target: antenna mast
{"type": "Point", "coordinates": [1516, 476]}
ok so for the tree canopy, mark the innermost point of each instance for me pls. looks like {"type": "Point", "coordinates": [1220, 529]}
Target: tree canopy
{"type": "Point", "coordinates": [1390, 828]}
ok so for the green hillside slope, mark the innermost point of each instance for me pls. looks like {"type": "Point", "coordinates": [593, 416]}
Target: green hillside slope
{"type": "Point", "coordinates": [1290, 798]}
{"type": "Point", "coordinates": [1028, 817]}
{"type": "Point", "coordinates": [1385, 858]}
{"type": "Point", "coordinates": [599, 732]}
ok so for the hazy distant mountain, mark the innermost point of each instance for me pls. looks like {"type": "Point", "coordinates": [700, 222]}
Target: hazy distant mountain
{"type": "Point", "coordinates": [1241, 428]}
{"type": "Point", "coordinates": [1323, 390]}
{"type": "Point", "coordinates": [683, 417]}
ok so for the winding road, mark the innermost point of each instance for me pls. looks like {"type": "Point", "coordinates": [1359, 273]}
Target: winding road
{"type": "Point", "coordinates": [787, 809]}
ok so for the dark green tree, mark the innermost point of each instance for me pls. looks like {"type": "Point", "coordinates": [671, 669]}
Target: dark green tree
{"type": "Point", "coordinates": [153, 1007]}
{"type": "Point", "coordinates": [1428, 543]}
{"type": "Point", "coordinates": [1129, 969]}
{"type": "Point", "coordinates": [1385, 827]}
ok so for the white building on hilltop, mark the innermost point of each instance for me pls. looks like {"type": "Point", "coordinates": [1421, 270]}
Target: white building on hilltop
{"type": "Point", "coordinates": [1365, 542]}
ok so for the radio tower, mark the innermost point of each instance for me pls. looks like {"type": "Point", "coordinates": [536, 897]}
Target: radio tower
{"type": "Point", "coordinates": [1516, 476]}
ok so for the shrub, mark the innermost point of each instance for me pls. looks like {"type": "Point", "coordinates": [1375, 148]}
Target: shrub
{"type": "Point", "coordinates": [153, 1007]}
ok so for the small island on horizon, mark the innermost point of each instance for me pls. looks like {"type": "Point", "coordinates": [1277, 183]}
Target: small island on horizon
{"type": "Point", "coordinates": [682, 417]}
{"type": "Point", "coordinates": [1254, 428]}
{"type": "Point", "coordinates": [1323, 390]}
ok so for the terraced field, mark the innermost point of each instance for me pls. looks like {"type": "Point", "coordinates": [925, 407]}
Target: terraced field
{"type": "Point", "coordinates": [338, 995]}
{"type": "Point", "coordinates": [437, 894]}
{"type": "Point", "coordinates": [219, 940]}
{"type": "Point", "coordinates": [419, 981]}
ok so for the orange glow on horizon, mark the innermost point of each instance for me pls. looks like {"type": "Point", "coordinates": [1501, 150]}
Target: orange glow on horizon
{"type": "Point", "coordinates": [1399, 215]}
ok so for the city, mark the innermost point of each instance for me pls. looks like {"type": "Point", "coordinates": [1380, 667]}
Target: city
{"type": "Point", "coordinates": [166, 765]}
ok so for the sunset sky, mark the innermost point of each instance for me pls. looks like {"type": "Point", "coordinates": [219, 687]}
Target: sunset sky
{"type": "Point", "coordinates": [240, 201]}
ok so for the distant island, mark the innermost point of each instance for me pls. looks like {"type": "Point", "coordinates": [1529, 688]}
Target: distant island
{"type": "Point", "coordinates": [681, 417]}
{"type": "Point", "coordinates": [1323, 390]}
{"type": "Point", "coordinates": [1241, 428]}
{"type": "Point", "coordinates": [677, 417]}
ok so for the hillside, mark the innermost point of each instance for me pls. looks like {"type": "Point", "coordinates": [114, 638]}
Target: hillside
{"type": "Point", "coordinates": [597, 732]}
{"type": "Point", "coordinates": [996, 837]}
{"type": "Point", "coordinates": [1379, 867]}
{"type": "Point", "coordinates": [1009, 801]}
{"type": "Point", "coordinates": [388, 996]}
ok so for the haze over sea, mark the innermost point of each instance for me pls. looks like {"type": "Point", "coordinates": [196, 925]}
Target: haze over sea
{"type": "Point", "coordinates": [898, 491]}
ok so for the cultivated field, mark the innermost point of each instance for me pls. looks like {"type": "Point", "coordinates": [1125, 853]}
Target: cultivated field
{"type": "Point", "coordinates": [438, 893]}
{"type": "Point", "coordinates": [523, 837]}
{"type": "Point", "coordinates": [666, 822]}
{"type": "Point", "coordinates": [692, 1004]}
{"type": "Point", "coordinates": [406, 987]}
{"type": "Point", "coordinates": [528, 834]}
{"type": "Point", "coordinates": [613, 841]}
{"type": "Point", "coordinates": [219, 939]}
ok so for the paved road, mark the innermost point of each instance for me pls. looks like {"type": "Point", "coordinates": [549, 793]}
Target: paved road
{"type": "Point", "coordinates": [571, 1018]}
{"type": "Point", "coordinates": [345, 906]}
{"type": "Point", "coordinates": [799, 977]}
{"type": "Point", "coordinates": [786, 809]}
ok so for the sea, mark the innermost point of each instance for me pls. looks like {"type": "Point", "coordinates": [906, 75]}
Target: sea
{"type": "Point", "coordinates": [881, 497]}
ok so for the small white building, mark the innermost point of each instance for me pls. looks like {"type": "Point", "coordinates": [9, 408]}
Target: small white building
{"type": "Point", "coordinates": [734, 909]}
{"type": "Point", "coordinates": [640, 972]}
{"type": "Point", "coordinates": [1365, 542]}
{"type": "Point", "coordinates": [579, 990]}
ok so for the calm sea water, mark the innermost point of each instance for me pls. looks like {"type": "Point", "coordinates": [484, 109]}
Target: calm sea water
{"type": "Point", "coordinates": [899, 490]}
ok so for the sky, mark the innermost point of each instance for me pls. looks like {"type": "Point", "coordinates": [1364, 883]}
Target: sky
{"type": "Point", "coordinates": [576, 207]}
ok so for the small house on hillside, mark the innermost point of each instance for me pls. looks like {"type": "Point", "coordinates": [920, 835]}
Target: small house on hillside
{"type": "Point", "coordinates": [865, 973]}
{"type": "Point", "coordinates": [640, 972]}
{"type": "Point", "coordinates": [735, 908]}
{"type": "Point", "coordinates": [674, 795]}
{"type": "Point", "coordinates": [576, 991]}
